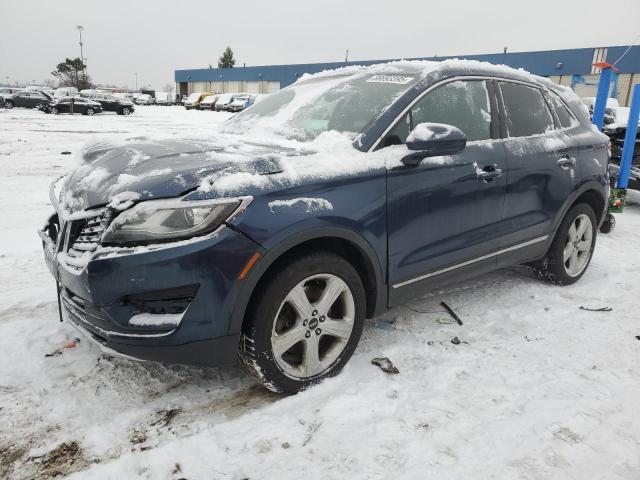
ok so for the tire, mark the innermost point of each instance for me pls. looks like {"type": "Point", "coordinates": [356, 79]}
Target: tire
{"type": "Point", "coordinates": [609, 223]}
{"type": "Point", "coordinates": [572, 248]}
{"type": "Point", "coordinates": [276, 334]}
{"type": "Point", "coordinates": [54, 110]}
{"type": "Point", "coordinates": [89, 111]}
{"type": "Point", "coordinates": [125, 111]}
{"type": "Point", "coordinates": [8, 104]}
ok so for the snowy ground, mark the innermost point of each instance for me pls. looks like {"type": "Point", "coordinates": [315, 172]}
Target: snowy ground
{"type": "Point", "coordinates": [538, 389]}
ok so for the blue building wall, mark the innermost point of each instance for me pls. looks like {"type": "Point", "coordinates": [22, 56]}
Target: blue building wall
{"type": "Point", "coordinates": [545, 63]}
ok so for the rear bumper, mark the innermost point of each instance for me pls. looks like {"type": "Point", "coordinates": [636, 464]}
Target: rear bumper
{"type": "Point", "coordinates": [171, 304]}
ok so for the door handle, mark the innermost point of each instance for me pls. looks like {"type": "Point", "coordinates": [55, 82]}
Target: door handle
{"type": "Point", "coordinates": [489, 173]}
{"type": "Point", "coordinates": [566, 162]}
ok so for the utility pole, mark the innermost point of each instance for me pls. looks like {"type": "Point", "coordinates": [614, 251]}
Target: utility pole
{"type": "Point", "coordinates": [136, 74]}
{"type": "Point", "coordinates": [80, 28]}
{"type": "Point", "coordinates": [346, 57]}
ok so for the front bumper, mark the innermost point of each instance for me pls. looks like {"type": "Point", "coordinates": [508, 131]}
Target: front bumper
{"type": "Point", "coordinates": [192, 283]}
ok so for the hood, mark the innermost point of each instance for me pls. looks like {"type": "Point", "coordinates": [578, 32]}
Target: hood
{"type": "Point", "coordinates": [162, 169]}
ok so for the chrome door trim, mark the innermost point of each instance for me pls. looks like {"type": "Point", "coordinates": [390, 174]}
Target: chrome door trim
{"type": "Point", "coordinates": [472, 261]}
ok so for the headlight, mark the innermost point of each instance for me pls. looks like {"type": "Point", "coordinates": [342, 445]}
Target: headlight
{"type": "Point", "coordinates": [157, 221]}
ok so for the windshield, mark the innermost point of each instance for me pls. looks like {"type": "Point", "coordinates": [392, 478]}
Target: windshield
{"type": "Point", "coordinates": [345, 103]}
{"type": "Point", "coordinates": [194, 97]}
{"type": "Point", "coordinates": [209, 99]}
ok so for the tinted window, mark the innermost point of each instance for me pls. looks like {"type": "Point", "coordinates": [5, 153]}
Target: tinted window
{"type": "Point", "coordinates": [463, 104]}
{"type": "Point", "coordinates": [565, 118]}
{"type": "Point", "coordinates": [527, 111]}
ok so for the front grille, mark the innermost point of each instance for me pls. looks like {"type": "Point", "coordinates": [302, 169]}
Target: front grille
{"type": "Point", "coordinates": [85, 235]}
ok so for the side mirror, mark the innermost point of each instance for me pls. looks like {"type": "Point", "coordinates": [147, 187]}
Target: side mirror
{"type": "Point", "coordinates": [433, 140]}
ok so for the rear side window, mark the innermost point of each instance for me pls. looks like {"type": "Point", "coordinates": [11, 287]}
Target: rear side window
{"type": "Point", "coordinates": [564, 116]}
{"type": "Point", "coordinates": [527, 112]}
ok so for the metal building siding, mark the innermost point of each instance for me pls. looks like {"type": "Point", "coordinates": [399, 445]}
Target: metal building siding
{"type": "Point", "coordinates": [546, 63]}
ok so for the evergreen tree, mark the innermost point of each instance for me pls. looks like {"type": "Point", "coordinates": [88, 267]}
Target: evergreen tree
{"type": "Point", "coordinates": [226, 60]}
{"type": "Point", "coordinates": [72, 73]}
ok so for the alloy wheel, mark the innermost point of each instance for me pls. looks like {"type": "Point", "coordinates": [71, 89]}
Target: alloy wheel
{"type": "Point", "coordinates": [577, 249]}
{"type": "Point", "coordinates": [313, 325]}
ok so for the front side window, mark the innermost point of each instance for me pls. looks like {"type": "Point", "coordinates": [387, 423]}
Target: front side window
{"type": "Point", "coordinates": [526, 110]}
{"type": "Point", "coordinates": [464, 104]}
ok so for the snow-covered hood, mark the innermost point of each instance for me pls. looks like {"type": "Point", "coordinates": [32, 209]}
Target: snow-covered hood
{"type": "Point", "coordinates": [162, 169]}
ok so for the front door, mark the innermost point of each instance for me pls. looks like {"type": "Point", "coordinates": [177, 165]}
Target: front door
{"type": "Point", "coordinates": [442, 215]}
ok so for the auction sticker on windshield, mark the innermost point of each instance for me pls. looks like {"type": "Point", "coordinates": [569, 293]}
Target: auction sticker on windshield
{"type": "Point", "coordinates": [400, 79]}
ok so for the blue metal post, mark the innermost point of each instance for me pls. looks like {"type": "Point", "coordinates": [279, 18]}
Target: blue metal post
{"type": "Point", "coordinates": [629, 139]}
{"type": "Point", "coordinates": [601, 97]}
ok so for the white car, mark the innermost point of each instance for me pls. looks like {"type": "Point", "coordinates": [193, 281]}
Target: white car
{"type": "Point", "coordinates": [144, 99]}
{"type": "Point", "coordinates": [224, 101]}
{"type": "Point", "coordinates": [164, 98]}
{"type": "Point", "coordinates": [65, 92]}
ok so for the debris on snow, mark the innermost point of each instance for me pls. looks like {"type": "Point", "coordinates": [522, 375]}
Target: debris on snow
{"type": "Point", "coordinates": [457, 341]}
{"type": "Point", "coordinates": [165, 417]}
{"type": "Point", "coordinates": [596, 309]}
{"type": "Point", "coordinates": [385, 365]}
{"type": "Point", "coordinates": [452, 312]}
{"type": "Point", "coordinates": [66, 152]}
{"type": "Point", "coordinates": [66, 346]}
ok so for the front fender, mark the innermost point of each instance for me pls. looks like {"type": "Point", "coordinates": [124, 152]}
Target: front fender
{"type": "Point", "coordinates": [285, 245]}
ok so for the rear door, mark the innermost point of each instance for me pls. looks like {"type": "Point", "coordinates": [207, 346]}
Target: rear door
{"type": "Point", "coordinates": [443, 220]}
{"type": "Point", "coordinates": [542, 162]}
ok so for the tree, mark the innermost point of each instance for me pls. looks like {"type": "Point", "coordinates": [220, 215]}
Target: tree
{"type": "Point", "coordinates": [72, 73]}
{"type": "Point", "coordinates": [226, 60]}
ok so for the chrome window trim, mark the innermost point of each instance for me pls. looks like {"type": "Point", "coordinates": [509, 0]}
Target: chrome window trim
{"type": "Point", "coordinates": [471, 262]}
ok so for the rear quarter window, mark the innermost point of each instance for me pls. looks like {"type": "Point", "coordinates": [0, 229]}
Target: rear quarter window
{"type": "Point", "coordinates": [565, 117]}
{"type": "Point", "coordinates": [526, 110]}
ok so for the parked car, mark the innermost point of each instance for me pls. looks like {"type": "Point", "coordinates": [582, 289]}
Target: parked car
{"type": "Point", "coordinates": [224, 101]}
{"type": "Point", "coordinates": [6, 92]}
{"type": "Point", "coordinates": [144, 99]}
{"type": "Point", "coordinates": [331, 200]}
{"type": "Point", "coordinates": [183, 99]}
{"type": "Point", "coordinates": [164, 98]}
{"type": "Point", "coordinates": [1, 101]}
{"type": "Point", "coordinates": [65, 92]}
{"type": "Point", "coordinates": [82, 105]}
{"type": "Point", "coordinates": [111, 103]}
{"type": "Point", "coordinates": [240, 102]}
{"type": "Point", "coordinates": [208, 103]}
{"type": "Point", "coordinates": [28, 99]}
{"type": "Point", "coordinates": [193, 100]}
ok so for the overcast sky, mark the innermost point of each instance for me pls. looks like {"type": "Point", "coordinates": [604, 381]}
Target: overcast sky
{"type": "Point", "coordinates": [154, 37]}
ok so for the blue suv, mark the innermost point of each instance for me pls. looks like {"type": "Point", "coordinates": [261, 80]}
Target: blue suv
{"type": "Point", "coordinates": [326, 203]}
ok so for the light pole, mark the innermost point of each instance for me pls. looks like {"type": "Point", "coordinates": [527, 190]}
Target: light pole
{"type": "Point", "coordinates": [136, 74]}
{"type": "Point", "coordinates": [80, 28]}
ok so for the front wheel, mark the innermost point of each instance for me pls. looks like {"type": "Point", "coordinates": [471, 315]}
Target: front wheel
{"type": "Point", "coordinates": [8, 104]}
{"type": "Point", "coordinates": [305, 324]}
{"type": "Point", "coordinates": [572, 248]}
{"type": "Point", "coordinates": [125, 111]}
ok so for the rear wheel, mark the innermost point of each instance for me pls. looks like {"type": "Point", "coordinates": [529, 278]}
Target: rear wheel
{"type": "Point", "coordinates": [55, 111]}
{"type": "Point", "coordinates": [89, 111]}
{"type": "Point", "coordinates": [572, 248]}
{"type": "Point", "coordinates": [125, 111]}
{"type": "Point", "coordinates": [305, 324]}
{"type": "Point", "coordinates": [8, 104]}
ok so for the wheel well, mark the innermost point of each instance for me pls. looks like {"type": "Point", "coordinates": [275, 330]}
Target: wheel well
{"type": "Point", "coordinates": [346, 249]}
{"type": "Point", "coordinates": [594, 200]}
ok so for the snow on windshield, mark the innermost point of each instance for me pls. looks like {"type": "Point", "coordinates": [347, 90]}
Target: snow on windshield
{"type": "Point", "coordinates": [345, 100]}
